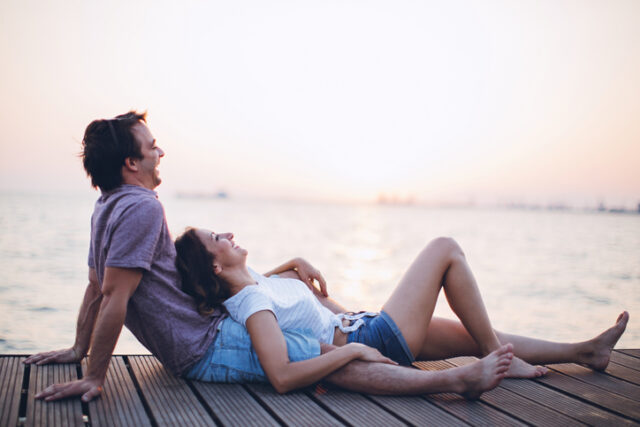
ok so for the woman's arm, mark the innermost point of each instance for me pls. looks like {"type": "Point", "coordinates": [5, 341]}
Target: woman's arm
{"type": "Point", "coordinates": [269, 343]}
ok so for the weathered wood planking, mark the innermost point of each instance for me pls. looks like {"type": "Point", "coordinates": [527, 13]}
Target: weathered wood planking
{"type": "Point", "coordinates": [416, 410]}
{"type": "Point", "coordinates": [233, 405]}
{"type": "Point", "coordinates": [613, 402]}
{"type": "Point", "coordinates": [606, 382]}
{"type": "Point", "coordinates": [139, 391]}
{"type": "Point", "coordinates": [59, 413]}
{"type": "Point", "coordinates": [119, 404]}
{"type": "Point", "coordinates": [486, 414]}
{"type": "Point", "coordinates": [630, 352]}
{"type": "Point", "coordinates": [171, 400]}
{"type": "Point", "coordinates": [569, 406]}
{"type": "Point", "coordinates": [294, 409]}
{"type": "Point", "coordinates": [11, 374]}
{"type": "Point", "coordinates": [625, 360]}
{"type": "Point", "coordinates": [355, 408]}
{"type": "Point", "coordinates": [623, 372]}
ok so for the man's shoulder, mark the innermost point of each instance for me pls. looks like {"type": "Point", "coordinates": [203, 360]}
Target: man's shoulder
{"type": "Point", "coordinates": [131, 199]}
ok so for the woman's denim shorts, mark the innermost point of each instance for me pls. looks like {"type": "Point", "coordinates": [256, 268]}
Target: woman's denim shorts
{"type": "Point", "coordinates": [382, 333]}
{"type": "Point", "coordinates": [232, 359]}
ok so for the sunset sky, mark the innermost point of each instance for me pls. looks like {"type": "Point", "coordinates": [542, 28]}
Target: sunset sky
{"type": "Point", "coordinates": [448, 101]}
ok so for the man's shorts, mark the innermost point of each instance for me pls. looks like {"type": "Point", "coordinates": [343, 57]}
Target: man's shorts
{"type": "Point", "coordinates": [382, 333]}
{"type": "Point", "coordinates": [232, 359]}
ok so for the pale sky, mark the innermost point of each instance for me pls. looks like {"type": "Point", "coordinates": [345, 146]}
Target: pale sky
{"type": "Point", "coordinates": [530, 101]}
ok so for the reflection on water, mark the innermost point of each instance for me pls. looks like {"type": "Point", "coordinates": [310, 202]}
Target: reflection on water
{"type": "Point", "coordinates": [558, 275]}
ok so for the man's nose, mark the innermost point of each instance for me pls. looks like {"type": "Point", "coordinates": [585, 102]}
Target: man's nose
{"type": "Point", "coordinates": [161, 152]}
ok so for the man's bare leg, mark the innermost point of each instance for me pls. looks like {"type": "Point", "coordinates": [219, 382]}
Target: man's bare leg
{"type": "Point", "coordinates": [380, 378]}
{"type": "Point", "coordinates": [449, 338]}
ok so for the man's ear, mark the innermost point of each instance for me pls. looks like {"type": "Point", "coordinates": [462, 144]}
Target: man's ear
{"type": "Point", "coordinates": [131, 164]}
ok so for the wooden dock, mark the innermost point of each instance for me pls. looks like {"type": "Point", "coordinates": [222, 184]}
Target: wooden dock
{"type": "Point", "coordinates": [139, 392]}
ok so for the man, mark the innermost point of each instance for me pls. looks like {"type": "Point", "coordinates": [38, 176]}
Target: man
{"type": "Point", "coordinates": [133, 281]}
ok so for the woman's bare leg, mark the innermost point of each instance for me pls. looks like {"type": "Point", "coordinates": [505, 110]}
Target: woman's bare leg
{"type": "Point", "coordinates": [442, 264]}
{"type": "Point", "coordinates": [449, 338]}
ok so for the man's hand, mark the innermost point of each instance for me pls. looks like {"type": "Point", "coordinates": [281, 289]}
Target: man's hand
{"type": "Point", "coordinates": [308, 274]}
{"type": "Point", "coordinates": [68, 355]}
{"type": "Point", "coordinates": [87, 387]}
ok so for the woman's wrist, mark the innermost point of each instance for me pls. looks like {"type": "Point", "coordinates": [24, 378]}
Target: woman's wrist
{"type": "Point", "coordinates": [353, 350]}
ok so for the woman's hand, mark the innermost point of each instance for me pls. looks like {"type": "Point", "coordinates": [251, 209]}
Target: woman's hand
{"type": "Point", "coordinates": [369, 354]}
{"type": "Point", "coordinates": [308, 274]}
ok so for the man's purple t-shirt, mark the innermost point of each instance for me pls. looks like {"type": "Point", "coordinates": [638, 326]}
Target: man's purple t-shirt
{"type": "Point", "coordinates": [129, 230]}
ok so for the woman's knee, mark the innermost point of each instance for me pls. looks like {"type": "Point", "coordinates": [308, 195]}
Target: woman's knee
{"type": "Point", "coordinates": [446, 246]}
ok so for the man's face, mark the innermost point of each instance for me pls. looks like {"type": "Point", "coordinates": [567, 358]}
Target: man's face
{"type": "Point", "coordinates": [148, 166]}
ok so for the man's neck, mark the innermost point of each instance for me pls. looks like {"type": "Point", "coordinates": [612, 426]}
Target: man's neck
{"type": "Point", "coordinates": [131, 179]}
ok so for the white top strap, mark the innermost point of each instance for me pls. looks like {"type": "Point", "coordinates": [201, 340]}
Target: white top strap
{"type": "Point", "coordinates": [354, 316]}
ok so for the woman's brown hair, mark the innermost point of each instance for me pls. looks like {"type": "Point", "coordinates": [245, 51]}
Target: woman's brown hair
{"type": "Point", "coordinates": [195, 265]}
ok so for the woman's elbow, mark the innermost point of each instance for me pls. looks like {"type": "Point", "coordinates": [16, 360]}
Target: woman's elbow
{"type": "Point", "coordinates": [281, 385]}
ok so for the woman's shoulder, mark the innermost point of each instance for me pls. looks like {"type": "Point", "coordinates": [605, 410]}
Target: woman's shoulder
{"type": "Point", "coordinates": [248, 301]}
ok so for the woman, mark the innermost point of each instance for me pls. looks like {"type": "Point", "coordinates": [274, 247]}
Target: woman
{"type": "Point", "coordinates": [214, 271]}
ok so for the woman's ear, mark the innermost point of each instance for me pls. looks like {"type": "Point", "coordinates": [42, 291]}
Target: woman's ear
{"type": "Point", "coordinates": [216, 269]}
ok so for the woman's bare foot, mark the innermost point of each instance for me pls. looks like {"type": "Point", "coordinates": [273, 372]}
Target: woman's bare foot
{"type": "Point", "coordinates": [521, 369]}
{"type": "Point", "coordinates": [486, 373]}
{"type": "Point", "coordinates": [598, 350]}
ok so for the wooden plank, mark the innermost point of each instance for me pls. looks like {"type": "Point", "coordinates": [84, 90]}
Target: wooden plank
{"type": "Point", "coordinates": [233, 405]}
{"type": "Point", "coordinates": [473, 412]}
{"type": "Point", "coordinates": [565, 404]}
{"type": "Point", "coordinates": [11, 374]}
{"type": "Point", "coordinates": [119, 404]}
{"type": "Point", "coordinates": [606, 382]}
{"type": "Point", "coordinates": [66, 412]}
{"type": "Point", "coordinates": [295, 409]}
{"type": "Point", "coordinates": [623, 372]}
{"type": "Point", "coordinates": [554, 400]}
{"type": "Point", "coordinates": [417, 411]}
{"type": "Point", "coordinates": [170, 398]}
{"type": "Point", "coordinates": [462, 408]}
{"type": "Point", "coordinates": [516, 405]}
{"type": "Point", "coordinates": [525, 409]}
{"type": "Point", "coordinates": [354, 408]}
{"type": "Point", "coordinates": [613, 402]}
{"type": "Point", "coordinates": [630, 352]}
{"type": "Point", "coordinates": [625, 360]}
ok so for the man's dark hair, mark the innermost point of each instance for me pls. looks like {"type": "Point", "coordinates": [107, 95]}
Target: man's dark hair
{"type": "Point", "coordinates": [195, 265]}
{"type": "Point", "coordinates": [105, 146]}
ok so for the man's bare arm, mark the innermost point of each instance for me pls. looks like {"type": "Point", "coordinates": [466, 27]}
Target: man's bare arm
{"type": "Point", "coordinates": [119, 285]}
{"type": "Point", "coordinates": [306, 273]}
{"type": "Point", "coordinates": [84, 328]}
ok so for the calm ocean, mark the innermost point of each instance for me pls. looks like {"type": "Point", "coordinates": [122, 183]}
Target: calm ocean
{"type": "Point", "coordinates": [559, 275]}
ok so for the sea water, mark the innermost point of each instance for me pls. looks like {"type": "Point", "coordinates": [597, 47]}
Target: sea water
{"type": "Point", "coordinates": [559, 275]}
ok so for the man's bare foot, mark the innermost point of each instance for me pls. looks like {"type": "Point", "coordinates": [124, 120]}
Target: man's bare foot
{"type": "Point", "coordinates": [598, 350]}
{"type": "Point", "coordinates": [521, 369]}
{"type": "Point", "coordinates": [486, 373]}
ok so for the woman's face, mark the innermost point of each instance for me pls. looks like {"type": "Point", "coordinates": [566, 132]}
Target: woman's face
{"type": "Point", "coordinates": [224, 250]}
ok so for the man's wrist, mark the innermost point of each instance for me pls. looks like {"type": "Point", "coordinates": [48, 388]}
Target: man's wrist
{"type": "Point", "coordinates": [78, 353]}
